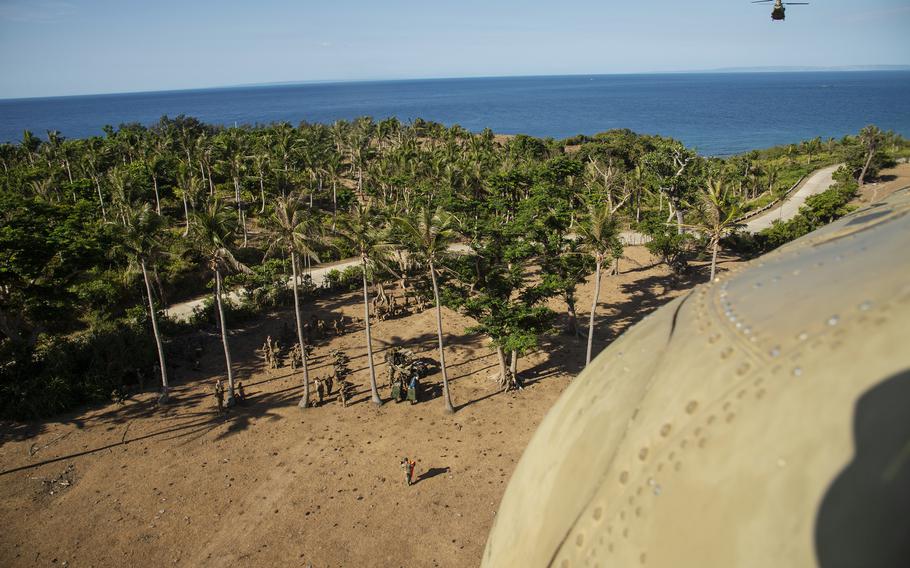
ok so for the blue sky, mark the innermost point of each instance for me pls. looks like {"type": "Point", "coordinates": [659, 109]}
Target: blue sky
{"type": "Point", "coordinates": [64, 47]}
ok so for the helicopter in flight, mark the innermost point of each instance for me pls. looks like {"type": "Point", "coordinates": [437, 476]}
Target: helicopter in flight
{"type": "Point", "coordinates": [779, 12]}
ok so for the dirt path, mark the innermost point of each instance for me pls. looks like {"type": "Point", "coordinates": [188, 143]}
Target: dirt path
{"type": "Point", "coordinates": [184, 310]}
{"type": "Point", "coordinates": [889, 181]}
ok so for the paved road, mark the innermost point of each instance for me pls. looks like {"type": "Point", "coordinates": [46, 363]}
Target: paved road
{"type": "Point", "coordinates": [815, 183]}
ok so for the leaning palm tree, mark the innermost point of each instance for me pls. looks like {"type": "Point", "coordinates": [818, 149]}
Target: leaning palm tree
{"type": "Point", "coordinates": [140, 239]}
{"type": "Point", "coordinates": [870, 138]}
{"type": "Point", "coordinates": [599, 236]}
{"type": "Point", "coordinates": [716, 212]}
{"type": "Point", "coordinates": [361, 230]}
{"type": "Point", "coordinates": [428, 235]}
{"type": "Point", "coordinates": [293, 230]}
{"type": "Point", "coordinates": [214, 236]}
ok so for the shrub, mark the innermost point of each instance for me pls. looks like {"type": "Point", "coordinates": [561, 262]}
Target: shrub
{"type": "Point", "coordinates": [59, 373]}
{"type": "Point", "coordinates": [673, 249]}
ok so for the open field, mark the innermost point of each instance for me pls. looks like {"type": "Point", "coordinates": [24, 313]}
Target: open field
{"type": "Point", "coordinates": [273, 485]}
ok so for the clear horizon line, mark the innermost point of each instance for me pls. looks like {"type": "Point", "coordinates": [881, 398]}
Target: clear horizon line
{"type": "Point", "coordinates": [714, 70]}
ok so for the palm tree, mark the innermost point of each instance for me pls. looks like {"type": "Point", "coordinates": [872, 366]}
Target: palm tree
{"type": "Point", "coordinates": [599, 236]}
{"type": "Point", "coordinates": [140, 240]}
{"type": "Point", "coordinates": [260, 159]}
{"type": "Point", "coordinates": [717, 211]}
{"type": "Point", "coordinates": [429, 236]}
{"type": "Point", "coordinates": [190, 188]}
{"type": "Point", "coordinates": [215, 233]}
{"type": "Point", "coordinates": [361, 230]}
{"type": "Point", "coordinates": [773, 171]}
{"type": "Point", "coordinates": [333, 169]}
{"type": "Point", "coordinates": [870, 138]}
{"type": "Point", "coordinates": [292, 228]}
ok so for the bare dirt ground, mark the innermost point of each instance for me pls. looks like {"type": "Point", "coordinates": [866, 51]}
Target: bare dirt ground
{"type": "Point", "coordinates": [889, 181]}
{"type": "Point", "coordinates": [270, 485]}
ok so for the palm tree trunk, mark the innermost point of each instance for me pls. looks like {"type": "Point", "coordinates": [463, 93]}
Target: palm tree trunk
{"type": "Point", "coordinates": [305, 402]}
{"type": "Point", "coordinates": [157, 199]}
{"type": "Point", "coordinates": [513, 366]}
{"type": "Point", "coordinates": [713, 259]}
{"type": "Point", "coordinates": [334, 201]}
{"type": "Point", "coordinates": [186, 216]}
{"type": "Point", "coordinates": [245, 233]}
{"type": "Point", "coordinates": [262, 191]}
{"type": "Point", "coordinates": [593, 309]}
{"type": "Point", "coordinates": [366, 318]}
{"type": "Point", "coordinates": [148, 289]}
{"type": "Point", "coordinates": [237, 199]}
{"type": "Point", "coordinates": [208, 168]}
{"type": "Point", "coordinates": [638, 206]}
{"type": "Point", "coordinates": [224, 340]}
{"type": "Point", "coordinates": [862, 175]}
{"type": "Point", "coordinates": [442, 354]}
{"type": "Point", "coordinates": [100, 200]}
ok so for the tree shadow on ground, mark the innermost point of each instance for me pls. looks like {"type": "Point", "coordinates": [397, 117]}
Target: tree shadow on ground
{"type": "Point", "coordinates": [195, 423]}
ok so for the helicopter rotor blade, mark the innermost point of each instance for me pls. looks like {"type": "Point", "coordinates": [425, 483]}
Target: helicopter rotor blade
{"type": "Point", "coordinates": [796, 3]}
{"type": "Point", "coordinates": [761, 1]}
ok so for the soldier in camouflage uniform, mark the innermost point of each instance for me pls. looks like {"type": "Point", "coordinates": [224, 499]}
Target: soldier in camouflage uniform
{"type": "Point", "coordinates": [219, 396]}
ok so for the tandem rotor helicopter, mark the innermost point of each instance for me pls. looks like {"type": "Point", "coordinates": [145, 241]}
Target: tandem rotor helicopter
{"type": "Point", "coordinates": [779, 12]}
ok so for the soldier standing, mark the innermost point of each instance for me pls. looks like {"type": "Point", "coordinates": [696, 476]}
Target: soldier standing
{"type": "Point", "coordinates": [295, 356]}
{"type": "Point", "coordinates": [320, 390]}
{"type": "Point", "coordinates": [267, 351]}
{"type": "Point", "coordinates": [219, 396]}
{"type": "Point", "coordinates": [408, 467]}
{"type": "Point", "coordinates": [276, 349]}
{"type": "Point", "coordinates": [343, 395]}
{"type": "Point", "coordinates": [328, 385]}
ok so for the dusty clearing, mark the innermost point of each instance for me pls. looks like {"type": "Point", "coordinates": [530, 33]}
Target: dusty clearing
{"type": "Point", "coordinates": [271, 485]}
{"type": "Point", "coordinates": [890, 180]}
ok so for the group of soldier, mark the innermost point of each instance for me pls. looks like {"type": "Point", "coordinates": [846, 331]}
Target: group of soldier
{"type": "Point", "coordinates": [340, 372]}
{"type": "Point", "coordinates": [318, 328]}
{"type": "Point", "coordinates": [404, 373]}
{"type": "Point", "coordinates": [222, 404]}
{"type": "Point", "coordinates": [386, 306]}
{"type": "Point", "coordinates": [404, 370]}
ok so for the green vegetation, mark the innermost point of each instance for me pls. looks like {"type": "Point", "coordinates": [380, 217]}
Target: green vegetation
{"type": "Point", "coordinates": [97, 235]}
{"type": "Point", "coordinates": [819, 210]}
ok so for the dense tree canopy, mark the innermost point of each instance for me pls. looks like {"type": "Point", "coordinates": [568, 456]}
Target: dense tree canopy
{"type": "Point", "coordinates": [512, 202]}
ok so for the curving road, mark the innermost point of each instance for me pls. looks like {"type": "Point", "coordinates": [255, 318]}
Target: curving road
{"type": "Point", "coordinates": [816, 183]}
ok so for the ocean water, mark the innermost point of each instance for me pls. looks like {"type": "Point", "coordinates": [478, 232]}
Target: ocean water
{"type": "Point", "coordinates": [717, 113]}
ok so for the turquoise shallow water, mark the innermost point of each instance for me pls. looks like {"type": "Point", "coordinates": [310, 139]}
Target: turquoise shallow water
{"type": "Point", "coordinates": [717, 113]}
